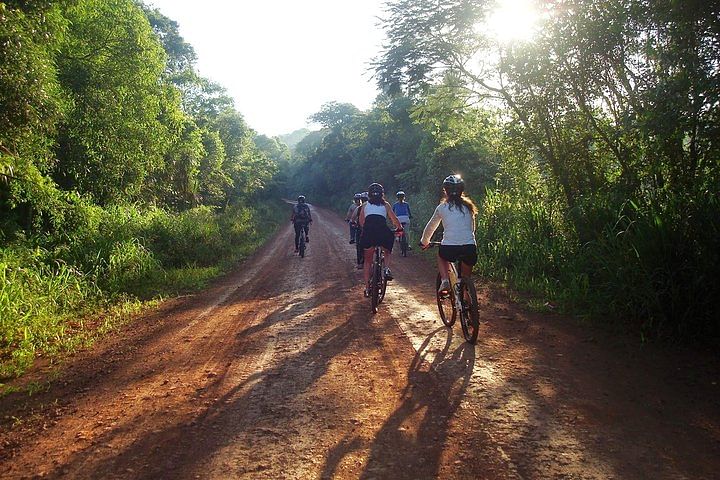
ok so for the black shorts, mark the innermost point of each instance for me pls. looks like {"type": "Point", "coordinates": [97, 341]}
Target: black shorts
{"type": "Point", "coordinates": [376, 232]}
{"type": "Point", "coordinates": [467, 254]}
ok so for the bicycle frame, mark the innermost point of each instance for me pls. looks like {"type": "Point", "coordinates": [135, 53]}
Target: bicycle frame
{"type": "Point", "coordinates": [378, 284]}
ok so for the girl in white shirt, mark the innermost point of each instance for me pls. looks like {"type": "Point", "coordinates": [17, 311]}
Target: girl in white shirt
{"type": "Point", "coordinates": [373, 217]}
{"type": "Point", "coordinates": [457, 214]}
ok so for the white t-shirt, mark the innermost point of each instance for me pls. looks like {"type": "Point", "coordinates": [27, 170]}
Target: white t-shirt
{"type": "Point", "coordinates": [458, 227]}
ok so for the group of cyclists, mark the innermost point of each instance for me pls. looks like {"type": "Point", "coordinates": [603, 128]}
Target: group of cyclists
{"type": "Point", "coordinates": [370, 214]}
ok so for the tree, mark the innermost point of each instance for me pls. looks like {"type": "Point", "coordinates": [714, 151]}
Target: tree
{"type": "Point", "coordinates": [110, 64]}
{"type": "Point", "coordinates": [31, 105]}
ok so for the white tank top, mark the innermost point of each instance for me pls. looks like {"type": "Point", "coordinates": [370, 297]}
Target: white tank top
{"type": "Point", "coordinates": [371, 209]}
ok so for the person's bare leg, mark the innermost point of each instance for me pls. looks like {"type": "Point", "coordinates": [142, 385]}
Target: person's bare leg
{"type": "Point", "coordinates": [368, 254]}
{"type": "Point", "coordinates": [443, 267]}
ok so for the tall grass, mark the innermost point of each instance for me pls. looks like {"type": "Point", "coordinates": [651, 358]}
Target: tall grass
{"type": "Point", "coordinates": [112, 258]}
{"type": "Point", "coordinates": [652, 269]}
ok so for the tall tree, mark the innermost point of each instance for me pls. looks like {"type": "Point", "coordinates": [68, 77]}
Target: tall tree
{"type": "Point", "coordinates": [110, 64]}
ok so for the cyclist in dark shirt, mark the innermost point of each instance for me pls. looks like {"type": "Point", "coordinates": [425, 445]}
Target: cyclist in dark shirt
{"type": "Point", "coordinates": [301, 219]}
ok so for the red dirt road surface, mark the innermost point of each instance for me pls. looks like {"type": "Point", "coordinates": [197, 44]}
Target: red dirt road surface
{"type": "Point", "coordinates": [280, 371]}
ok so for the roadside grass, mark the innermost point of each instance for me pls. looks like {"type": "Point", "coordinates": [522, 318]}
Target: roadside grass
{"type": "Point", "coordinates": [58, 295]}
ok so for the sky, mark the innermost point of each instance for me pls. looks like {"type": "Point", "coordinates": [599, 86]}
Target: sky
{"type": "Point", "coordinates": [281, 60]}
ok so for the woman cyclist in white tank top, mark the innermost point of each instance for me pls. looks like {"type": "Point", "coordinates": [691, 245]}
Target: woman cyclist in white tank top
{"type": "Point", "coordinates": [373, 219]}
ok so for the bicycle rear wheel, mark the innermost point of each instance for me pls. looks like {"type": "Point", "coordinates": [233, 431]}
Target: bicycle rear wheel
{"type": "Point", "coordinates": [470, 315]}
{"type": "Point", "coordinates": [446, 304]}
{"type": "Point", "coordinates": [382, 287]}
{"type": "Point", "coordinates": [375, 287]}
{"type": "Point", "coordinates": [301, 245]}
{"type": "Point", "coordinates": [403, 245]}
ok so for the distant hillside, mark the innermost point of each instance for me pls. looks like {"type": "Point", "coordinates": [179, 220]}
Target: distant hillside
{"type": "Point", "coordinates": [292, 139]}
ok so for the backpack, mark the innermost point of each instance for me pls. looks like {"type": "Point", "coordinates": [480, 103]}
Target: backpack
{"type": "Point", "coordinates": [302, 213]}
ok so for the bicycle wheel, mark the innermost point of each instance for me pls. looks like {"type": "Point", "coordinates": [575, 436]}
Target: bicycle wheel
{"type": "Point", "coordinates": [375, 287]}
{"type": "Point", "coordinates": [382, 287]}
{"type": "Point", "coordinates": [301, 245]}
{"type": "Point", "coordinates": [446, 305]}
{"type": "Point", "coordinates": [470, 315]}
{"type": "Point", "coordinates": [403, 245]}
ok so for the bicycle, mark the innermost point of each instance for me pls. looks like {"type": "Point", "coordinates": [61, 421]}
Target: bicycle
{"type": "Point", "coordinates": [302, 242]}
{"type": "Point", "coordinates": [378, 283]}
{"type": "Point", "coordinates": [403, 240]}
{"type": "Point", "coordinates": [462, 298]}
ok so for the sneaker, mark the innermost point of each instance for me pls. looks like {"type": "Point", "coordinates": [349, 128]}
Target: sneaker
{"type": "Point", "coordinates": [444, 287]}
{"type": "Point", "coordinates": [388, 274]}
{"type": "Point", "coordinates": [352, 241]}
{"type": "Point", "coordinates": [297, 250]}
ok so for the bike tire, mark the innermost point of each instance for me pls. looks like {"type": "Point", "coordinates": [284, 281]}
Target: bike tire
{"type": "Point", "coordinates": [301, 246]}
{"type": "Point", "coordinates": [374, 287]}
{"type": "Point", "coordinates": [383, 288]}
{"type": "Point", "coordinates": [446, 305]}
{"type": "Point", "coordinates": [403, 245]}
{"type": "Point", "coordinates": [470, 315]}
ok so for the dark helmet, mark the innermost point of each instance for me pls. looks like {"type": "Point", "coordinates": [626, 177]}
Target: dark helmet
{"type": "Point", "coordinates": [375, 190]}
{"type": "Point", "coordinates": [453, 184]}
{"type": "Point", "coordinates": [301, 199]}
{"type": "Point", "coordinates": [400, 193]}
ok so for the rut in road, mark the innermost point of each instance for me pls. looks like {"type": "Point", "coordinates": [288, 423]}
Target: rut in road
{"type": "Point", "coordinates": [281, 371]}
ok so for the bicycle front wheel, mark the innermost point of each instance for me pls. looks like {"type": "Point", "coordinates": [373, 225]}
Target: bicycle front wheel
{"type": "Point", "coordinates": [375, 287]}
{"type": "Point", "coordinates": [446, 304]}
{"type": "Point", "coordinates": [470, 315]}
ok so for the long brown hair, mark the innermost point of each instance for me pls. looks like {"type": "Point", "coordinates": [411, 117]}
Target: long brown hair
{"type": "Point", "coordinates": [460, 202]}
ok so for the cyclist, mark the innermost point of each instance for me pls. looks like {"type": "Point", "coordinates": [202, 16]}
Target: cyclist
{"type": "Point", "coordinates": [457, 213]}
{"type": "Point", "coordinates": [349, 216]}
{"type": "Point", "coordinates": [402, 211]}
{"type": "Point", "coordinates": [375, 232]}
{"type": "Point", "coordinates": [301, 219]}
{"type": "Point", "coordinates": [355, 219]}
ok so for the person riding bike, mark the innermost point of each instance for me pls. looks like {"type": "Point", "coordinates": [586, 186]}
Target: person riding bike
{"type": "Point", "coordinates": [301, 219]}
{"type": "Point", "coordinates": [402, 211]}
{"type": "Point", "coordinates": [349, 216]}
{"type": "Point", "coordinates": [457, 214]}
{"type": "Point", "coordinates": [355, 219]}
{"type": "Point", "coordinates": [375, 231]}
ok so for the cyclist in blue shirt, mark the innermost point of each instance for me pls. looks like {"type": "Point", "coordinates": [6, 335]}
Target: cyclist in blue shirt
{"type": "Point", "coordinates": [402, 210]}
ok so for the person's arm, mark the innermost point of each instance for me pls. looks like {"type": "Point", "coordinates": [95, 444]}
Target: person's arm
{"type": "Point", "coordinates": [430, 228]}
{"type": "Point", "coordinates": [409, 213]}
{"type": "Point", "coordinates": [393, 217]}
{"type": "Point", "coordinates": [309, 215]}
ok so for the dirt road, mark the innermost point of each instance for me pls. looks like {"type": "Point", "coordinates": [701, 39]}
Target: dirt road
{"type": "Point", "coordinates": [280, 371]}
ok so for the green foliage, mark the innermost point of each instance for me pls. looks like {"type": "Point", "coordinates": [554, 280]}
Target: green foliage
{"type": "Point", "coordinates": [36, 290]}
{"type": "Point", "coordinates": [48, 294]}
{"type": "Point", "coordinates": [110, 62]}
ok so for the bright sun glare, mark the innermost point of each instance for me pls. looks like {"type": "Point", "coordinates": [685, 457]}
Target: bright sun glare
{"type": "Point", "coordinates": [514, 20]}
